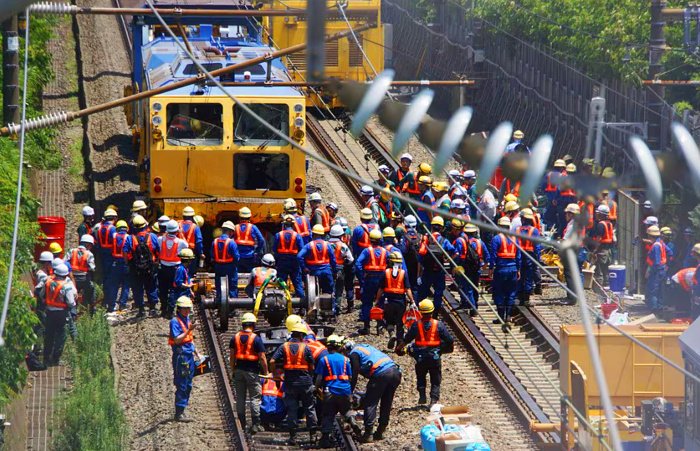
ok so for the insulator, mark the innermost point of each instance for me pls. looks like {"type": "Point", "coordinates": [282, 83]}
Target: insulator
{"type": "Point", "coordinates": [53, 8]}
{"type": "Point", "coordinates": [40, 122]}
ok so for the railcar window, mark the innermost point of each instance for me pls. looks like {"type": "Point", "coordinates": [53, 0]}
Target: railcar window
{"type": "Point", "coordinates": [195, 124]}
{"type": "Point", "coordinates": [191, 69]}
{"type": "Point", "coordinates": [260, 171]}
{"type": "Point", "coordinates": [250, 132]}
{"type": "Point", "coordinates": [238, 74]}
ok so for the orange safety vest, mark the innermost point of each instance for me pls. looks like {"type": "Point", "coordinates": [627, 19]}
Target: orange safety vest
{"type": "Point", "coordinates": [189, 237]}
{"type": "Point", "coordinates": [244, 238]}
{"type": "Point", "coordinates": [376, 263]}
{"type": "Point", "coordinates": [222, 256]}
{"type": "Point", "coordinates": [527, 245]}
{"type": "Point", "coordinates": [295, 361]}
{"type": "Point", "coordinates": [325, 219]}
{"type": "Point", "coordinates": [316, 347]}
{"type": "Point", "coordinates": [339, 259]}
{"type": "Point", "coordinates": [53, 289]}
{"type": "Point", "coordinates": [465, 243]}
{"type": "Point", "coordinates": [145, 235]}
{"type": "Point", "coordinates": [169, 255]}
{"type": "Point", "coordinates": [303, 228]}
{"type": "Point", "coordinates": [105, 236]}
{"type": "Point", "coordinates": [516, 189]}
{"type": "Point", "coordinates": [118, 246]}
{"type": "Point", "coordinates": [407, 186]}
{"type": "Point", "coordinates": [479, 249]}
{"type": "Point", "coordinates": [317, 259]}
{"type": "Point", "coordinates": [78, 260]}
{"type": "Point", "coordinates": [681, 278]}
{"type": "Point", "coordinates": [269, 388]}
{"type": "Point", "coordinates": [333, 377]}
{"type": "Point", "coordinates": [538, 222]}
{"type": "Point", "coordinates": [550, 188]}
{"type": "Point", "coordinates": [507, 248]}
{"type": "Point", "coordinates": [612, 205]}
{"type": "Point", "coordinates": [395, 285]}
{"type": "Point", "coordinates": [590, 212]}
{"type": "Point", "coordinates": [432, 338]}
{"type": "Point", "coordinates": [188, 338]}
{"type": "Point", "coordinates": [245, 352]}
{"type": "Point", "coordinates": [287, 246]}
{"type": "Point", "coordinates": [608, 236]}
{"type": "Point", "coordinates": [364, 241]}
{"type": "Point", "coordinates": [260, 276]}
{"type": "Point", "coordinates": [650, 262]}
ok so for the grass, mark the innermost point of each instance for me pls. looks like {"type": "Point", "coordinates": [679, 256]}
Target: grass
{"type": "Point", "coordinates": [77, 165]}
{"type": "Point", "coordinates": [90, 416]}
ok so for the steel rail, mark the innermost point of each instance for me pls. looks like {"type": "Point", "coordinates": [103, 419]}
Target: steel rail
{"type": "Point", "coordinates": [331, 83]}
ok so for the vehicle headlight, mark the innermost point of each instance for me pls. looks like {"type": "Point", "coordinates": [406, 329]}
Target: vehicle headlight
{"type": "Point", "coordinates": [298, 108]}
{"type": "Point", "coordinates": [157, 120]}
{"type": "Point", "coordinates": [157, 107]}
{"type": "Point", "coordinates": [299, 122]}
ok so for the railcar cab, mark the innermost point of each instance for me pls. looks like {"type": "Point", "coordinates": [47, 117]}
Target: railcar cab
{"type": "Point", "coordinates": [690, 345]}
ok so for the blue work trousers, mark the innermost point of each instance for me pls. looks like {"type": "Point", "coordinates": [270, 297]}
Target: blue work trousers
{"type": "Point", "coordinates": [289, 268]}
{"type": "Point", "coordinates": [468, 295]}
{"type": "Point", "coordinates": [526, 283]}
{"type": "Point", "coordinates": [246, 264]}
{"type": "Point", "coordinates": [144, 284]}
{"type": "Point", "coordinates": [106, 261]}
{"type": "Point", "coordinates": [118, 278]}
{"type": "Point", "coordinates": [193, 266]}
{"type": "Point", "coordinates": [183, 373]}
{"type": "Point", "coordinates": [166, 278]}
{"type": "Point", "coordinates": [231, 271]}
{"type": "Point", "coordinates": [370, 287]}
{"type": "Point", "coordinates": [325, 279]}
{"type": "Point", "coordinates": [436, 281]}
{"type": "Point", "coordinates": [550, 215]}
{"type": "Point", "coordinates": [656, 279]}
{"type": "Point", "coordinates": [505, 281]}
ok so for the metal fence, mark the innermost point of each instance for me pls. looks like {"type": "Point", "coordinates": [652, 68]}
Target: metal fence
{"type": "Point", "coordinates": [628, 228]}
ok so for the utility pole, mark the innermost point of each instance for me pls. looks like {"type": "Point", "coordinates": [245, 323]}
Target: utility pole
{"type": "Point", "coordinates": [10, 71]}
{"type": "Point", "coordinates": [656, 51]}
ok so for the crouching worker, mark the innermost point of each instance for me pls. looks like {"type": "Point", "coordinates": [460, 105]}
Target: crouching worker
{"type": "Point", "coordinates": [182, 342]}
{"type": "Point", "coordinates": [272, 409]}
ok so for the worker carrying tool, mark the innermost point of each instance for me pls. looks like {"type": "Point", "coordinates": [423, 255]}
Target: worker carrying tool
{"type": "Point", "coordinates": [505, 257]}
{"type": "Point", "coordinates": [224, 253]}
{"type": "Point", "coordinates": [383, 378]}
{"type": "Point", "coordinates": [395, 288]}
{"type": "Point", "coordinates": [432, 339]}
{"type": "Point", "coordinates": [181, 340]}
{"type": "Point", "coordinates": [249, 240]}
{"type": "Point", "coordinates": [298, 363]}
{"type": "Point", "coordinates": [370, 267]}
{"type": "Point", "coordinates": [247, 356]}
{"type": "Point", "coordinates": [286, 247]}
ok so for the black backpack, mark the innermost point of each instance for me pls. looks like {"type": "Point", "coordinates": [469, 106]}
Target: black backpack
{"type": "Point", "coordinates": [142, 262]}
{"type": "Point", "coordinates": [472, 262]}
{"type": "Point", "coordinates": [411, 257]}
{"type": "Point", "coordinates": [437, 256]}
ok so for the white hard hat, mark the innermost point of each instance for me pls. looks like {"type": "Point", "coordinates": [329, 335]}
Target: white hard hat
{"type": "Point", "coordinates": [46, 256]}
{"type": "Point", "coordinates": [315, 197]}
{"type": "Point", "coordinates": [384, 169]}
{"type": "Point", "coordinates": [367, 190]}
{"type": "Point", "coordinates": [459, 191]}
{"type": "Point", "coordinates": [268, 260]}
{"type": "Point", "coordinates": [603, 210]}
{"type": "Point", "coordinates": [163, 219]}
{"type": "Point", "coordinates": [56, 262]}
{"type": "Point", "coordinates": [410, 221]}
{"type": "Point", "coordinates": [647, 204]}
{"type": "Point", "coordinates": [333, 206]}
{"type": "Point", "coordinates": [454, 173]}
{"type": "Point", "coordinates": [61, 270]}
{"type": "Point", "coordinates": [87, 239]}
{"type": "Point", "coordinates": [469, 174]}
{"type": "Point", "coordinates": [172, 226]}
{"type": "Point", "coordinates": [458, 204]}
{"type": "Point", "coordinates": [337, 230]}
{"type": "Point", "coordinates": [651, 220]}
{"type": "Point", "coordinates": [406, 156]}
{"type": "Point", "coordinates": [88, 211]}
{"type": "Point", "coordinates": [342, 221]}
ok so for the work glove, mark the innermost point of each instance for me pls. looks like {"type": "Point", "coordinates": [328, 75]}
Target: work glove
{"type": "Point", "coordinates": [419, 281]}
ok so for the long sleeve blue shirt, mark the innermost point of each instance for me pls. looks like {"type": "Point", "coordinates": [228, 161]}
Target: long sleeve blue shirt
{"type": "Point", "coordinates": [364, 259]}
{"type": "Point", "coordinates": [248, 251]}
{"type": "Point", "coordinates": [232, 248]}
{"type": "Point", "coordinates": [287, 234]}
{"type": "Point", "coordinates": [306, 254]}
{"type": "Point", "coordinates": [198, 241]}
{"type": "Point", "coordinates": [500, 262]}
{"type": "Point", "coordinates": [358, 235]}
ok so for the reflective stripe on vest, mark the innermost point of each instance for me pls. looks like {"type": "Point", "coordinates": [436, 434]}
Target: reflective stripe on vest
{"type": "Point", "coordinates": [463, 254]}
{"type": "Point", "coordinates": [662, 248]}
{"type": "Point", "coordinates": [507, 248]}
{"type": "Point", "coordinates": [78, 260]}
{"type": "Point", "coordinates": [170, 255]}
{"type": "Point", "coordinates": [550, 188]}
{"type": "Point", "coordinates": [394, 285]}
{"type": "Point", "coordinates": [189, 236]}
{"type": "Point", "coordinates": [317, 259]}
{"type": "Point", "coordinates": [376, 263]}
{"type": "Point", "coordinates": [333, 377]}
{"type": "Point", "coordinates": [538, 222]}
{"type": "Point", "coordinates": [269, 388]}
{"type": "Point", "coordinates": [222, 256]}
{"type": "Point", "coordinates": [527, 245]}
{"type": "Point", "coordinates": [105, 236]}
{"type": "Point", "coordinates": [338, 251]}
{"type": "Point", "coordinates": [53, 290]}
{"type": "Point", "coordinates": [303, 227]}
{"type": "Point", "coordinates": [316, 347]}
{"type": "Point", "coordinates": [407, 186]}
{"type": "Point", "coordinates": [325, 219]}
{"type": "Point", "coordinates": [479, 249]}
{"type": "Point", "coordinates": [364, 241]}
{"type": "Point", "coordinates": [682, 275]}
{"type": "Point", "coordinates": [244, 237]}
{"type": "Point", "coordinates": [432, 339]}
{"type": "Point", "coordinates": [295, 361]}
{"type": "Point", "coordinates": [144, 235]}
{"type": "Point", "coordinates": [612, 205]}
{"type": "Point", "coordinates": [245, 352]}
{"type": "Point", "coordinates": [607, 237]}
{"type": "Point", "coordinates": [287, 242]}
{"type": "Point", "coordinates": [118, 245]}
{"type": "Point", "coordinates": [188, 338]}
{"type": "Point", "coordinates": [516, 189]}
{"type": "Point", "coordinates": [260, 276]}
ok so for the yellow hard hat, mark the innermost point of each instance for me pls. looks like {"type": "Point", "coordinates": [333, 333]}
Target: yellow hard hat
{"type": "Point", "coordinates": [571, 168]}
{"type": "Point", "coordinates": [666, 231]}
{"type": "Point", "coordinates": [248, 318]}
{"type": "Point", "coordinates": [290, 205]}
{"type": "Point", "coordinates": [138, 205]}
{"type": "Point", "coordinates": [55, 248]}
{"type": "Point", "coordinates": [365, 213]}
{"type": "Point", "coordinates": [437, 220]}
{"type": "Point", "coordinates": [138, 221]}
{"type": "Point", "coordinates": [471, 228]}
{"type": "Point", "coordinates": [188, 211]}
{"type": "Point", "coordinates": [335, 341]}
{"type": "Point", "coordinates": [573, 209]}
{"type": "Point", "coordinates": [186, 253]}
{"type": "Point", "coordinates": [291, 321]}
{"type": "Point", "coordinates": [318, 230]}
{"type": "Point", "coordinates": [110, 213]}
{"type": "Point", "coordinates": [696, 249]}
{"type": "Point", "coordinates": [395, 257]}
{"type": "Point", "coordinates": [299, 327]}
{"type": "Point", "coordinates": [121, 224]}
{"type": "Point", "coordinates": [183, 302]}
{"type": "Point", "coordinates": [527, 213]}
{"type": "Point", "coordinates": [199, 220]}
{"type": "Point", "coordinates": [155, 227]}
{"type": "Point", "coordinates": [510, 197]}
{"type": "Point", "coordinates": [424, 168]}
{"type": "Point", "coordinates": [457, 223]}
{"type": "Point", "coordinates": [375, 235]}
{"type": "Point", "coordinates": [504, 221]}
{"type": "Point", "coordinates": [439, 186]}
{"type": "Point", "coordinates": [426, 306]}
{"type": "Point", "coordinates": [653, 231]}
{"type": "Point", "coordinates": [389, 232]}
{"type": "Point", "coordinates": [425, 180]}
{"type": "Point", "coordinates": [244, 213]}
{"type": "Point", "coordinates": [560, 164]}
{"type": "Point", "coordinates": [518, 134]}
{"type": "Point", "coordinates": [511, 206]}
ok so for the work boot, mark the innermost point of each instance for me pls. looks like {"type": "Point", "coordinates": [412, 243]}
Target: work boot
{"type": "Point", "coordinates": [392, 343]}
{"type": "Point", "coordinates": [142, 312]}
{"type": "Point", "coordinates": [538, 288]}
{"type": "Point", "coordinates": [525, 302]}
{"type": "Point", "coordinates": [379, 433]}
{"type": "Point", "coordinates": [293, 438]}
{"type": "Point", "coordinates": [422, 399]}
{"type": "Point", "coordinates": [363, 331]}
{"type": "Point", "coordinates": [255, 428]}
{"type": "Point", "coordinates": [180, 416]}
{"type": "Point", "coordinates": [367, 436]}
{"type": "Point", "coordinates": [472, 312]}
{"type": "Point", "coordinates": [313, 437]}
{"type": "Point", "coordinates": [354, 426]}
{"type": "Point", "coordinates": [326, 441]}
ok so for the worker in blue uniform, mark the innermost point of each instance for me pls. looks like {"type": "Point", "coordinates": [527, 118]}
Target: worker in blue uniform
{"type": "Point", "coordinates": [272, 409]}
{"type": "Point", "coordinates": [482, 250]}
{"type": "Point", "coordinates": [181, 340]}
{"type": "Point", "coordinates": [433, 251]}
{"type": "Point", "coordinates": [505, 257]}
{"type": "Point", "coordinates": [460, 243]}
{"type": "Point", "coordinates": [369, 267]}
{"type": "Point", "coordinates": [395, 289]}
{"type": "Point", "coordinates": [182, 285]}
{"type": "Point", "coordinates": [286, 247]}
{"type": "Point", "coordinates": [105, 232]}
{"type": "Point", "coordinates": [192, 234]}
{"type": "Point", "coordinates": [224, 254]}
{"type": "Point", "coordinates": [298, 363]}
{"type": "Point", "coordinates": [250, 241]}
{"type": "Point", "coordinates": [427, 197]}
{"type": "Point", "coordinates": [549, 187]}
{"type": "Point", "coordinates": [170, 247]}
{"type": "Point", "coordinates": [119, 274]}
{"type": "Point", "coordinates": [410, 245]}
{"type": "Point", "coordinates": [143, 274]}
{"type": "Point", "coordinates": [432, 339]}
{"type": "Point", "coordinates": [302, 225]}
{"type": "Point", "coordinates": [383, 378]}
{"type": "Point", "coordinates": [657, 260]}
{"type": "Point", "coordinates": [344, 262]}
{"type": "Point", "coordinates": [360, 234]}
{"type": "Point", "coordinates": [333, 374]}
{"type": "Point", "coordinates": [391, 244]}
{"type": "Point", "coordinates": [526, 282]}
{"type": "Point", "coordinates": [564, 196]}
{"type": "Point", "coordinates": [317, 259]}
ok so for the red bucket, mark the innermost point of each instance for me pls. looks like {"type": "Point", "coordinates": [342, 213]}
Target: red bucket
{"type": "Point", "coordinates": [55, 230]}
{"type": "Point", "coordinates": [376, 314]}
{"type": "Point", "coordinates": [358, 292]}
{"type": "Point", "coordinates": [607, 308]}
